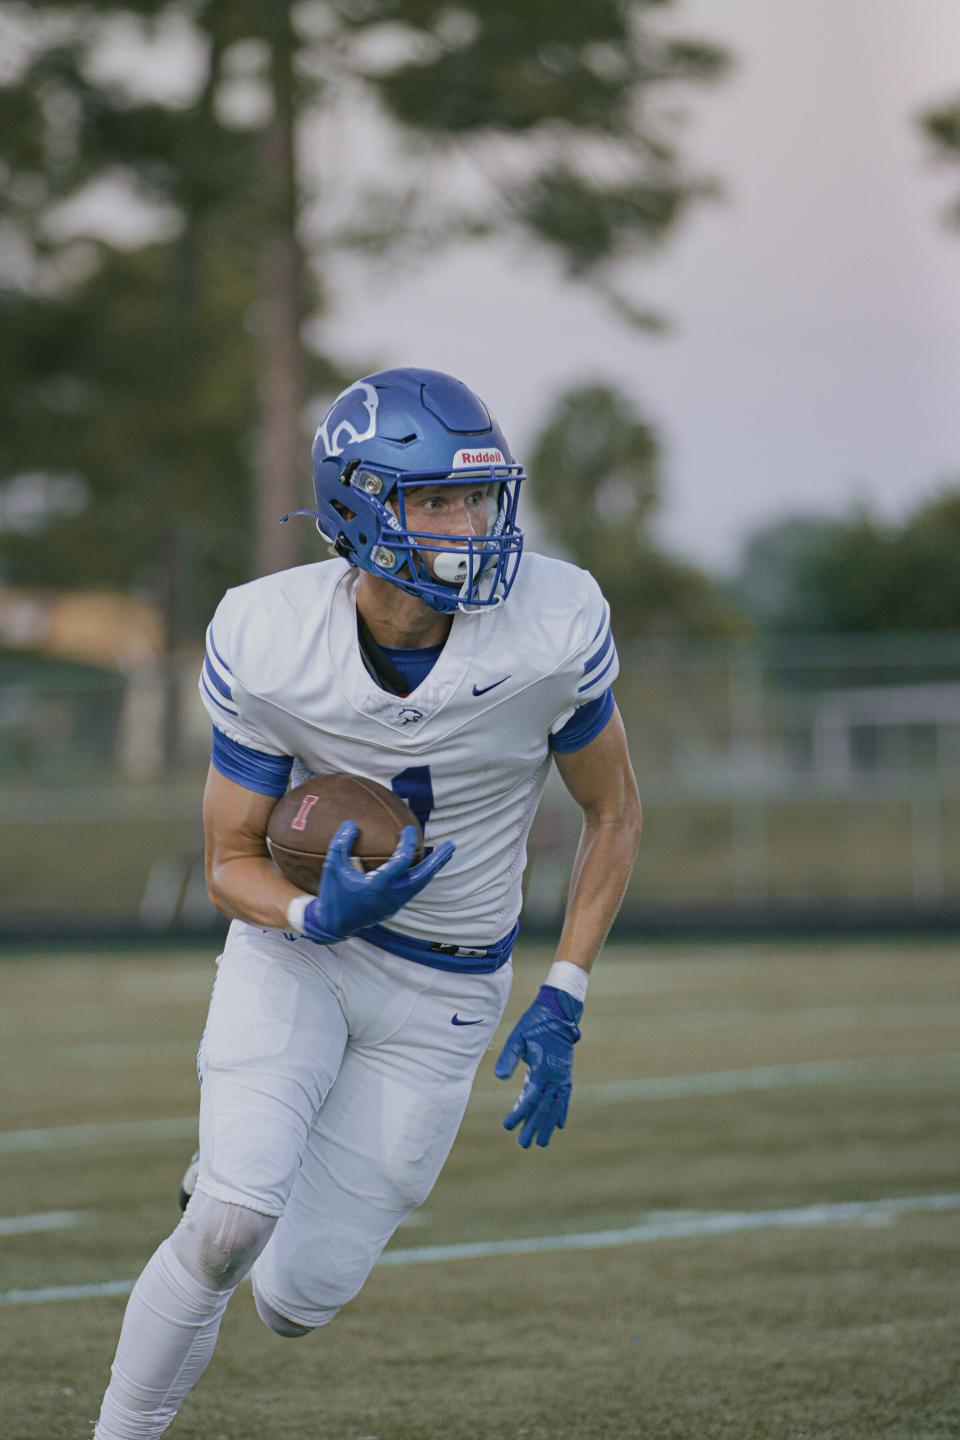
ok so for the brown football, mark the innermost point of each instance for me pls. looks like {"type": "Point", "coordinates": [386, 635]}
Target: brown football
{"type": "Point", "coordinates": [303, 822]}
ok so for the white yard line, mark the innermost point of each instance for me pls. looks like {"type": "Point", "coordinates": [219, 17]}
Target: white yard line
{"type": "Point", "coordinates": [48, 1220]}
{"type": "Point", "coordinates": [661, 1225]}
{"type": "Point", "coordinates": [65, 1292]}
{"type": "Point", "coordinates": [61, 1137]}
{"type": "Point", "coordinates": [602, 1092]}
{"type": "Point", "coordinates": [683, 1225]}
{"type": "Point", "coordinates": [761, 1077]}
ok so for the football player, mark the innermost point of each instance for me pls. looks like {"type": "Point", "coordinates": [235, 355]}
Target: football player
{"type": "Point", "coordinates": [431, 655]}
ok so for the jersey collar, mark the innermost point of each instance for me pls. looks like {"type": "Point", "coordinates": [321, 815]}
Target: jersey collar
{"type": "Point", "coordinates": [406, 714]}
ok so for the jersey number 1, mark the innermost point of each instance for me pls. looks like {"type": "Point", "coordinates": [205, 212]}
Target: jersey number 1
{"type": "Point", "coordinates": [416, 787]}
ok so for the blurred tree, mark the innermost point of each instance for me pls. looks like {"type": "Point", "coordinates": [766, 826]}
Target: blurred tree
{"type": "Point", "coordinates": [207, 183]}
{"type": "Point", "coordinates": [128, 423]}
{"type": "Point", "coordinates": [554, 106]}
{"type": "Point", "coordinates": [941, 124]}
{"type": "Point", "coordinates": [595, 479]}
{"type": "Point", "coordinates": [808, 574]}
{"type": "Point", "coordinates": [148, 434]}
{"type": "Point", "coordinates": [108, 357]}
{"type": "Point", "coordinates": [777, 559]}
{"type": "Point", "coordinates": [925, 584]}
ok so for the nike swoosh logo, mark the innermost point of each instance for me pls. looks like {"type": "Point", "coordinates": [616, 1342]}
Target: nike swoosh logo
{"type": "Point", "coordinates": [477, 691]}
{"type": "Point", "coordinates": [455, 1019]}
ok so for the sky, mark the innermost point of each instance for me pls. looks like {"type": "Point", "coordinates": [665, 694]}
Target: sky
{"type": "Point", "coordinates": [815, 344]}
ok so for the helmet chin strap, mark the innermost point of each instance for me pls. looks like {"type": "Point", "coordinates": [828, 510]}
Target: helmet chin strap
{"type": "Point", "coordinates": [485, 587]}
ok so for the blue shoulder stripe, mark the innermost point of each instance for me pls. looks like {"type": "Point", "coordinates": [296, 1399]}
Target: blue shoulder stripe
{"type": "Point", "coordinates": [603, 621]}
{"type": "Point", "coordinates": [227, 709]}
{"type": "Point", "coordinates": [595, 679]}
{"type": "Point", "coordinates": [216, 653]}
{"type": "Point", "coordinates": [219, 684]}
{"type": "Point", "coordinates": [598, 655]}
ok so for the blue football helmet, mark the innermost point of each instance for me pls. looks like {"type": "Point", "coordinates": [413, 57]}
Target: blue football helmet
{"type": "Point", "coordinates": [389, 433]}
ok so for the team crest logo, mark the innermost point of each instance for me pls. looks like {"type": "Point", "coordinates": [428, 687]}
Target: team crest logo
{"type": "Point", "coordinates": [352, 418]}
{"type": "Point", "coordinates": [409, 715]}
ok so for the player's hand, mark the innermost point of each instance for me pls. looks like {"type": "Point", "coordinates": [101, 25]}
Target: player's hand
{"type": "Point", "coordinates": [349, 900]}
{"type": "Point", "coordinates": [544, 1038]}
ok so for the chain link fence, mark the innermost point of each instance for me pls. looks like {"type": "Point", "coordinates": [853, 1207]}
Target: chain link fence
{"type": "Point", "coordinates": [813, 777]}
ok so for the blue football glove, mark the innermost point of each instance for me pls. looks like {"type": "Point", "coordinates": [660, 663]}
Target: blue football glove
{"type": "Point", "coordinates": [349, 900]}
{"type": "Point", "coordinates": [544, 1037]}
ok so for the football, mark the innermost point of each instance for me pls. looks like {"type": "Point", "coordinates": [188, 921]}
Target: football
{"type": "Point", "coordinates": [303, 822]}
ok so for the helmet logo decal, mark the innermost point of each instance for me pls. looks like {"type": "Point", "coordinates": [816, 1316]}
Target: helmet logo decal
{"type": "Point", "coordinates": [350, 420]}
{"type": "Point", "coordinates": [465, 458]}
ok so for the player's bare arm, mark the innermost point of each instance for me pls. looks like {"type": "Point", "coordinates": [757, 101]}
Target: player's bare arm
{"type": "Point", "coordinates": [600, 778]}
{"type": "Point", "coordinates": [242, 880]}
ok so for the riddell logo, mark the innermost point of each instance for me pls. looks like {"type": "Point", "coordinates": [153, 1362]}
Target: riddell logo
{"type": "Point", "coordinates": [465, 458]}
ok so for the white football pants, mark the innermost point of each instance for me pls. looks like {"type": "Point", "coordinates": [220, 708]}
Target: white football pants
{"type": "Point", "coordinates": [334, 1082]}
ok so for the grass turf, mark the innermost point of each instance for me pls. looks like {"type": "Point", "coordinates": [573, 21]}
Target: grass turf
{"type": "Point", "coordinates": [811, 1334]}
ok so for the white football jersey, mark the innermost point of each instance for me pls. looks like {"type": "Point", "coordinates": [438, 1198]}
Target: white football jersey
{"type": "Point", "coordinates": [467, 749]}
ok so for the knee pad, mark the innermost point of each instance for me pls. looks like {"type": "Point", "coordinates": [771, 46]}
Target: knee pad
{"type": "Point", "coordinates": [286, 1329]}
{"type": "Point", "coordinates": [278, 1312]}
{"type": "Point", "coordinates": [218, 1243]}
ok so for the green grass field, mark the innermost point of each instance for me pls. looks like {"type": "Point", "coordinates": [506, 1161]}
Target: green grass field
{"type": "Point", "coordinates": [818, 1076]}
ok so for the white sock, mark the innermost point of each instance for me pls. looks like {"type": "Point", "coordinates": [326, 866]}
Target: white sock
{"type": "Point", "coordinates": [169, 1332]}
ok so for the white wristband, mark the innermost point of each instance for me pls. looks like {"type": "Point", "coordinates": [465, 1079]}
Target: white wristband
{"type": "Point", "coordinates": [295, 912]}
{"type": "Point", "coordinates": [564, 975]}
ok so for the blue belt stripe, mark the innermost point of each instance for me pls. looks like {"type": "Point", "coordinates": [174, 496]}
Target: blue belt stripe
{"type": "Point", "coordinates": [422, 952]}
